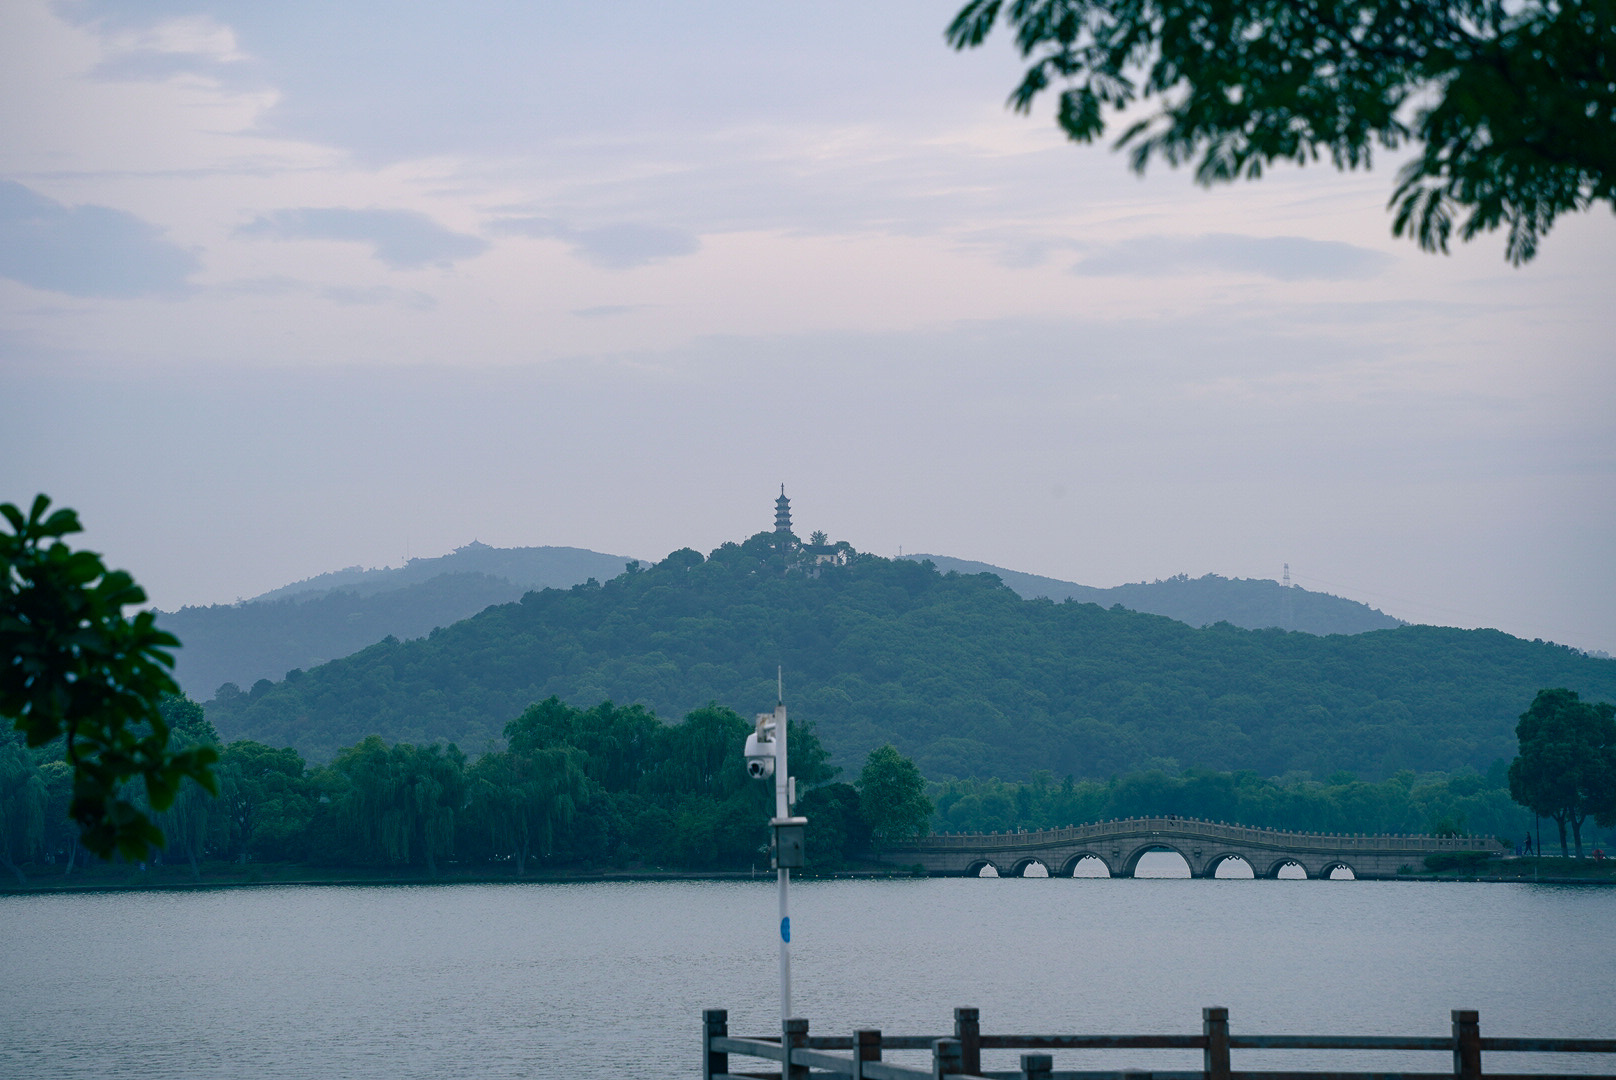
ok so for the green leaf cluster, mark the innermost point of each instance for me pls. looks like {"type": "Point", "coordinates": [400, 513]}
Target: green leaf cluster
{"type": "Point", "coordinates": [1513, 105]}
{"type": "Point", "coordinates": [74, 667]}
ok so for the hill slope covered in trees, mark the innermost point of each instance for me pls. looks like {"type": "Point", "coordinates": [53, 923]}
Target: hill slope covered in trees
{"type": "Point", "coordinates": [956, 670]}
{"type": "Point", "coordinates": [1251, 603]}
{"type": "Point", "coordinates": [526, 567]}
{"type": "Point", "coordinates": [337, 614]}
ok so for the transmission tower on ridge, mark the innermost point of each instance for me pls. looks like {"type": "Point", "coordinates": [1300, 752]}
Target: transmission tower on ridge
{"type": "Point", "coordinates": [1285, 601]}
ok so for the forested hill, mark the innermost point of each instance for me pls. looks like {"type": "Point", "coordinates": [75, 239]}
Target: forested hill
{"type": "Point", "coordinates": [1252, 603]}
{"type": "Point", "coordinates": [309, 622]}
{"type": "Point", "coordinates": [957, 670]}
{"type": "Point", "coordinates": [332, 615]}
{"type": "Point", "coordinates": [264, 639]}
{"type": "Point", "coordinates": [524, 567]}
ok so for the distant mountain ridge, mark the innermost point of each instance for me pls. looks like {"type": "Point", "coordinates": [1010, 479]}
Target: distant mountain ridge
{"type": "Point", "coordinates": [528, 567]}
{"type": "Point", "coordinates": [1251, 603]}
{"type": "Point", "coordinates": [333, 615]}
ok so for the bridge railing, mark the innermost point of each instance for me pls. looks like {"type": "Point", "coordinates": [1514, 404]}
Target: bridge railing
{"type": "Point", "coordinates": [804, 1057]}
{"type": "Point", "coordinates": [1252, 831]}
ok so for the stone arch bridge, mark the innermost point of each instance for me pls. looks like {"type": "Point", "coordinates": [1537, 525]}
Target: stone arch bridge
{"type": "Point", "coordinates": [1204, 845]}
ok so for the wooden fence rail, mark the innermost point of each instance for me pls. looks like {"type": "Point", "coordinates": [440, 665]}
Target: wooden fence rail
{"type": "Point", "coordinates": [805, 1057]}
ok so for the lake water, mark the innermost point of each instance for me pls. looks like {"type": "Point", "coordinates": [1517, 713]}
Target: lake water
{"type": "Point", "coordinates": [597, 980]}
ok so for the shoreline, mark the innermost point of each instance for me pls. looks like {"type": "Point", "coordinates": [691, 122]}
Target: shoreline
{"type": "Point", "coordinates": [178, 879]}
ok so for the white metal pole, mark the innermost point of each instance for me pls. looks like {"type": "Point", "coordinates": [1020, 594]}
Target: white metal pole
{"type": "Point", "coordinates": [782, 810]}
{"type": "Point", "coordinates": [785, 943]}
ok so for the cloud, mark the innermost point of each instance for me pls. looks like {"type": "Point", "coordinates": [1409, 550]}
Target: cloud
{"type": "Point", "coordinates": [1283, 258]}
{"type": "Point", "coordinates": [403, 239]}
{"type": "Point", "coordinates": [616, 247]}
{"type": "Point", "coordinates": [86, 250]}
{"type": "Point", "coordinates": [337, 294]}
{"type": "Point", "coordinates": [608, 311]}
{"type": "Point", "coordinates": [377, 294]}
{"type": "Point", "coordinates": [153, 65]}
{"type": "Point", "coordinates": [197, 47]}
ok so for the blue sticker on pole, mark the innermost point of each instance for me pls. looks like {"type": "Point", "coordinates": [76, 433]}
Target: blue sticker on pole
{"type": "Point", "coordinates": [785, 930]}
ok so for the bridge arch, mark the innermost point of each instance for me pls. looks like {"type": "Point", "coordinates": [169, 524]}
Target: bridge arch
{"type": "Point", "coordinates": [1337, 864]}
{"type": "Point", "coordinates": [1212, 864]}
{"type": "Point", "coordinates": [1069, 867]}
{"type": "Point", "coordinates": [1021, 867]}
{"type": "Point", "coordinates": [1287, 860]}
{"type": "Point", "coordinates": [979, 865]}
{"type": "Point", "coordinates": [1131, 863]}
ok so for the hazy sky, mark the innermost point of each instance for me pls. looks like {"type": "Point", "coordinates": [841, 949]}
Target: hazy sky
{"type": "Point", "coordinates": [295, 286]}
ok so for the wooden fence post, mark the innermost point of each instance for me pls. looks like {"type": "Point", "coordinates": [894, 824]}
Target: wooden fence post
{"type": "Point", "coordinates": [713, 1063]}
{"type": "Point", "coordinates": [1466, 1044]}
{"type": "Point", "coordinates": [1215, 1026]}
{"type": "Point", "coordinates": [793, 1036]}
{"type": "Point", "coordinates": [945, 1058]}
{"type": "Point", "coordinates": [968, 1030]}
{"type": "Point", "coordinates": [866, 1047]}
{"type": "Point", "coordinates": [1036, 1066]}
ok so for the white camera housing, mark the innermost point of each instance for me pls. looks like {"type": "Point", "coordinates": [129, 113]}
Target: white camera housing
{"type": "Point", "coordinates": [759, 757]}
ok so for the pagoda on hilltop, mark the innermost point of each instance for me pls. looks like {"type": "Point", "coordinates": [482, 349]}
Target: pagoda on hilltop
{"type": "Point", "coordinates": [782, 514]}
{"type": "Point", "coordinates": [817, 550]}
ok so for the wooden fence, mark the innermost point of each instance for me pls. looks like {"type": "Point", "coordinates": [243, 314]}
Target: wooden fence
{"type": "Point", "coordinates": [858, 1056]}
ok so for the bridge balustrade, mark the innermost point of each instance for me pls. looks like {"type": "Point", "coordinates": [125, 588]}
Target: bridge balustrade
{"type": "Point", "coordinates": [1203, 845]}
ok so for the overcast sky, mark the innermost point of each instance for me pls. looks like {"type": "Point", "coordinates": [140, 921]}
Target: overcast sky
{"type": "Point", "coordinates": [296, 286]}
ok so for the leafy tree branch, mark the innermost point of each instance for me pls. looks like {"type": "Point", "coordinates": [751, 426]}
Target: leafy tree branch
{"type": "Point", "coordinates": [1513, 106]}
{"type": "Point", "coordinates": [73, 667]}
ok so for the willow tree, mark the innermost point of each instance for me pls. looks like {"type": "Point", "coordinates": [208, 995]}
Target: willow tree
{"type": "Point", "coordinates": [192, 823]}
{"type": "Point", "coordinates": [525, 799]}
{"type": "Point", "coordinates": [399, 803]}
{"type": "Point", "coordinates": [23, 798]}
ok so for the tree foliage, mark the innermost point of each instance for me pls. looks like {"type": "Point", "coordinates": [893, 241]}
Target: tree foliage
{"type": "Point", "coordinates": [398, 803]}
{"type": "Point", "coordinates": [525, 799]}
{"type": "Point", "coordinates": [892, 796]}
{"type": "Point", "coordinates": [75, 668]}
{"type": "Point", "coordinates": [24, 798]}
{"type": "Point", "coordinates": [1566, 769]}
{"type": "Point", "coordinates": [955, 670]}
{"type": "Point", "coordinates": [265, 798]}
{"type": "Point", "coordinates": [1513, 105]}
{"type": "Point", "coordinates": [1464, 802]}
{"type": "Point", "coordinates": [679, 799]}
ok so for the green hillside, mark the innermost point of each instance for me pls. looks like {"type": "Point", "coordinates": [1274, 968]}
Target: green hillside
{"type": "Point", "coordinates": [526, 567]}
{"type": "Point", "coordinates": [336, 614]}
{"type": "Point", "coordinates": [1251, 603]}
{"type": "Point", "coordinates": [264, 639]}
{"type": "Point", "coordinates": [332, 615]}
{"type": "Point", "coordinates": [957, 670]}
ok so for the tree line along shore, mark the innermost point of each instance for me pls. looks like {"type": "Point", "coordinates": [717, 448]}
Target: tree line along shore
{"type": "Point", "coordinates": [107, 757]}
{"type": "Point", "coordinates": [615, 790]}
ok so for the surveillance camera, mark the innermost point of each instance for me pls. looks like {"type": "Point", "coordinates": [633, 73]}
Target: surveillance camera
{"type": "Point", "coordinates": [759, 758]}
